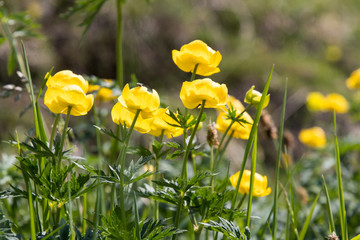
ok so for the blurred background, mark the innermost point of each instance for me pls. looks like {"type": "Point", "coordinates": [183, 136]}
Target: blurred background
{"type": "Point", "coordinates": [313, 45]}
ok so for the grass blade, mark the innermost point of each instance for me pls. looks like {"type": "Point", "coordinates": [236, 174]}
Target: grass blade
{"type": "Point", "coordinates": [279, 153]}
{"type": "Point", "coordinates": [328, 206]}
{"type": "Point", "coordinates": [308, 219]}
{"type": "Point", "coordinates": [340, 186]}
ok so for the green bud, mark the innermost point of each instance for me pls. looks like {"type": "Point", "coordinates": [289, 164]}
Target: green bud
{"type": "Point", "coordinates": [253, 97]}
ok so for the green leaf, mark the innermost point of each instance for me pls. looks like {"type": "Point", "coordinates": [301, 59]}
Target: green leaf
{"type": "Point", "coordinates": [225, 227]}
{"type": "Point", "coordinates": [12, 62]}
{"type": "Point", "coordinates": [308, 219]}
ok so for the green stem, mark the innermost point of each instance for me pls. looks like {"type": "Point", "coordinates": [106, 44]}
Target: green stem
{"type": "Point", "coordinates": [189, 145]}
{"type": "Point", "coordinates": [119, 45]}
{"type": "Point", "coordinates": [252, 179]}
{"type": "Point", "coordinates": [56, 121]}
{"type": "Point", "coordinates": [193, 75]}
{"type": "Point", "coordinates": [63, 136]}
{"type": "Point", "coordinates": [279, 153]}
{"type": "Point", "coordinates": [84, 214]}
{"type": "Point", "coordinates": [156, 203]}
{"type": "Point", "coordinates": [212, 167]}
{"type": "Point", "coordinates": [251, 138]}
{"type": "Point", "coordinates": [122, 156]}
{"type": "Point", "coordinates": [343, 223]}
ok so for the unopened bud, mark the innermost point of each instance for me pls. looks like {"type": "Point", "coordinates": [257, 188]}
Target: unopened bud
{"type": "Point", "coordinates": [253, 97]}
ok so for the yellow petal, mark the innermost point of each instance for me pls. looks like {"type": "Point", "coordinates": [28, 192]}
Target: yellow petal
{"type": "Point", "coordinates": [313, 137]}
{"type": "Point", "coordinates": [67, 77]}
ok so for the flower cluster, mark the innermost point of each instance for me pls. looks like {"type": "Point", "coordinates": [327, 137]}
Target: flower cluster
{"type": "Point", "coordinates": [332, 102]}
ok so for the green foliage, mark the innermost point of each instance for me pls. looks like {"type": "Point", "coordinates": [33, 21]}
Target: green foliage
{"type": "Point", "coordinates": [225, 227]}
{"type": "Point", "coordinates": [5, 228]}
{"type": "Point", "coordinates": [88, 8]}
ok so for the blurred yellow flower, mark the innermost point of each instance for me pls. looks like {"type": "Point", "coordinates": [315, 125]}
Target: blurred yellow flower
{"type": "Point", "coordinates": [261, 188]}
{"type": "Point", "coordinates": [66, 89]}
{"type": "Point", "coordinates": [353, 82]}
{"type": "Point", "coordinates": [240, 131]}
{"type": "Point", "coordinates": [313, 137]}
{"type": "Point", "coordinates": [333, 53]}
{"type": "Point", "coordinates": [104, 93]}
{"type": "Point", "coordinates": [197, 52]}
{"type": "Point", "coordinates": [253, 97]}
{"type": "Point", "coordinates": [121, 115]}
{"type": "Point", "coordinates": [139, 98]}
{"type": "Point", "coordinates": [161, 123]}
{"type": "Point", "coordinates": [315, 101]}
{"type": "Point", "coordinates": [193, 93]}
{"type": "Point", "coordinates": [336, 102]}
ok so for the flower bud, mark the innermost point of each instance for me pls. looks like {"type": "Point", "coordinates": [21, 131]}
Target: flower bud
{"type": "Point", "coordinates": [253, 97]}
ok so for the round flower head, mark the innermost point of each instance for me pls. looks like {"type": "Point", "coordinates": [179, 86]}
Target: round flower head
{"type": "Point", "coordinates": [121, 115]}
{"type": "Point", "coordinates": [66, 89]}
{"type": "Point", "coordinates": [315, 101]}
{"type": "Point", "coordinates": [239, 130]}
{"type": "Point", "coordinates": [260, 184]}
{"type": "Point", "coordinates": [197, 52]}
{"type": "Point", "coordinates": [353, 82]}
{"type": "Point", "coordinates": [193, 93]}
{"type": "Point", "coordinates": [336, 102]}
{"type": "Point", "coordinates": [313, 137]}
{"type": "Point", "coordinates": [139, 98]}
{"type": "Point", "coordinates": [162, 123]}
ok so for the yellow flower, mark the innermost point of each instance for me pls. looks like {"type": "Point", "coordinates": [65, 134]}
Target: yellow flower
{"type": "Point", "coordinates": [260, 184]}
{"type": "Point", "coordinates": [240, 131]}
{"type": "Point", "coordinates": [253, 97]}
{"type": "Point", "coordinates": [336, 102]}
{"type": "Point", "coordinates": [197, 52]}
{"type": "Point", "coordinates": [313, 137]}
{"type": "Point", "coordinates": [139, 98]}
{"type": "Point", "coordinates": [161, 123]}
{"type": "Point", "coordinates": [193, 93]}
{"type": "Point", "coordinates": [121, 115]}
{"type": "Point", "coordinates": [315, 101]}
{"type": "Point", "coordinates": [66, 89]}
{"type": "Point", "coordinates": [353, 82]}
{"type": "Point", "coordinates": [104, 94]}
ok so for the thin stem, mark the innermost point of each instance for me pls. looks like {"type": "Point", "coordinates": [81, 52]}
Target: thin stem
{"type": "Point", "coordinates": [156, 202]}
{"type": "Point", "coordinates": [56, 121]}
{"type": "Point", "coordinates": [212, 167]}
{"type": "Point", "coordinates": [193, 75]}
{"type": "Point", "coordinates": [252, 180]}
{"type": "Point", "coordinates": [63, 136]}
{"type": "Point", "coordinates": [119, 47]}
{"type": "Point", "coordinates": [122, 167]}
{"type": "Point", "coordinates": [279, 153]}
{"type": "Point", "coordinates": [189, 144]}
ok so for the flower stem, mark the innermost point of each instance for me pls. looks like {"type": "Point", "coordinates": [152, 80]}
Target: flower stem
{"type": "Point", "coordinates": [119, 47]}
{"type": "Point", "coordinates": [54, 130]}
{"type": "Point", "coordinates": [156, 203]}
{"type": "Point", "coordinates": [193, 75]}
{"type": "Point", "coordinates": [63, 136]}
{"type": "Point", "coordinates": [189, 144]}
{"type": "Point", "coordinates": [122, 157]}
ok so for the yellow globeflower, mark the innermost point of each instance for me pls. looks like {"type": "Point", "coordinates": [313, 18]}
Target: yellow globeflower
{"type": "Point", "coordinates": [261, 188]}
{"type": "Point", "coordinates": [66, 89]}
{"type": "Point", "coordinates": [353, 82]}
{"type": "Point", "coordinates": [161, 123]}
{"type": "Point", "coordinates": [313, 137]}
{"type": "Point", "coordinates": [315, 101]}
{"type": "Point", "coordinates": [336, 102]}
{"type": "Point", "coordinates": [104, 93]}
{"type": "Point", "coordinates": [239, 131]}
{"type": "Point", "coordinates": [193, 93]}
{"type": "Point", "coordinates": [121, 115]}
{"type": "Point", "coordinates": [139, 98]}
{"type": "Point", "coordinates": [197, 52]}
